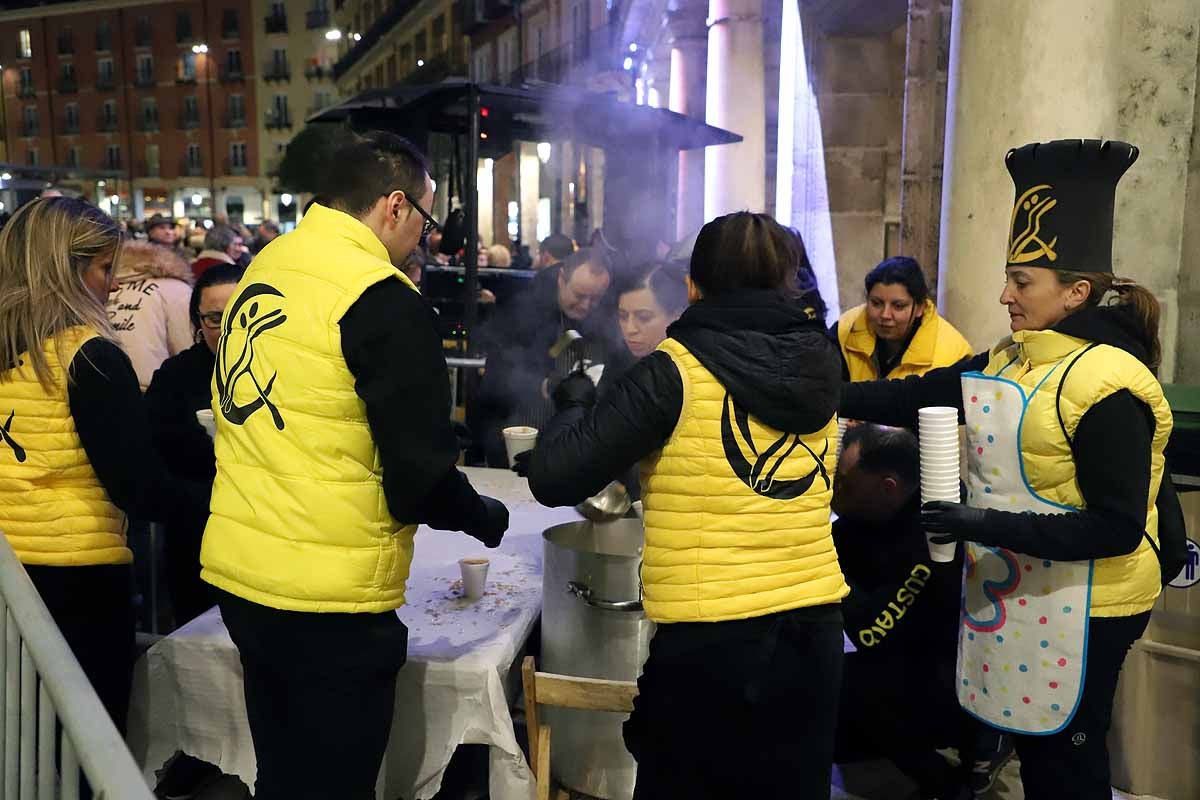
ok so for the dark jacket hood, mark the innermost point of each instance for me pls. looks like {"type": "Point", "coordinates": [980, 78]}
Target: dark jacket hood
{"type": "Point", "coordinates": [1111, 325]}
{"type": "Point", "coordinates": [770, 352]}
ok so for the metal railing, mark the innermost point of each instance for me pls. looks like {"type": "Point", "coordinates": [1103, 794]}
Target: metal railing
{"type": "Point", "coordinates": [44, 687]}
{"type": "Point", "coordinates": [276, 23]}
{"type": "Point", "coordinates": [317, 18]}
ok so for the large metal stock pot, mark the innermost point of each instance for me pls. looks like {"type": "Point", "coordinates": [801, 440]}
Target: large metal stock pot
{"type": "Point", "coordinates": [593, 627]}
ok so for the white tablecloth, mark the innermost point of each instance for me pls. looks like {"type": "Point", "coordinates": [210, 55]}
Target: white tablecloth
{"type": "Point", "coordinates": [187, 692]}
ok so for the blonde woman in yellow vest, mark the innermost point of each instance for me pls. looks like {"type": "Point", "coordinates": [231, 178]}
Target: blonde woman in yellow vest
{"type": "Point", "coordinates": [334, 442]}
{"type": "Point", "coordinates": [1066, 425]}
{"type": "Point", "coordinates": [75, 449]}
{"type": "Point", "coordinates": [733, 420]}
{"type": "Point", "coordinates": [898, 331]}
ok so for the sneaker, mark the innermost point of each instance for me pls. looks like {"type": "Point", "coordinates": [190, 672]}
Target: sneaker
{"type": "Point", "coordinates": [989, 763]}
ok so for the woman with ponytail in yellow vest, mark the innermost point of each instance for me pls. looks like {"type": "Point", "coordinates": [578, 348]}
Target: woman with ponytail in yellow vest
{"type": "Point", "coordinates": [733, 420]}
{"type": "Point", "coordinates": [1066, 425]}
{"type": "Point", "coordinates": [76, 455]}
{"type": "Point", "coordinates": [898, 331]}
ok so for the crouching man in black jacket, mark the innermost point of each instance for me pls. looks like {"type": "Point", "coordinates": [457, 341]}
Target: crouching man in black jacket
{"type": "Point", "coordinates": [898, 699]}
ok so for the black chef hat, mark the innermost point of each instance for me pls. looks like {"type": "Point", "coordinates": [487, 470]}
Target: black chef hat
{"type": "Point", "coordinates": [1063, 214]}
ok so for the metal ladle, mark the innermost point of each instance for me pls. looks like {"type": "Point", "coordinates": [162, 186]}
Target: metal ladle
{"type": "Point", "coordinates": [610, 504]}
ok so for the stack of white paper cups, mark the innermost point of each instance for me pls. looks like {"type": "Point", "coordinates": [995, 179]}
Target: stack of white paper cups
{"type": "Point", "coordinates": [939, 464]}
{"type": "Point", "coordinates": [841, 435]}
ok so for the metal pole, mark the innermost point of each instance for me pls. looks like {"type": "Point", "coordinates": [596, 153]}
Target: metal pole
{"type": "Point", "coordinates": [471, 253]}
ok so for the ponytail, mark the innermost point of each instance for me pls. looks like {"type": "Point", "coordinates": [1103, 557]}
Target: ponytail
{"type": "Point", "coordinates": [1140, 301]}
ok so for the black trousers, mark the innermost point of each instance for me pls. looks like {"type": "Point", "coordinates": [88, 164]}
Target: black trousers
{"type": "Point", "coordinates": [190, 596]}
{"type": "Point", "coordinates": [320, 695]}
{"type": "Point", "coordinates": [744, 708]}
{"type": "Point", "coordinates": [903, 708]}
{"type": "Point", "coordinates": [1073, 764]}
{"type": "Point", "coordinates": [93, 607]}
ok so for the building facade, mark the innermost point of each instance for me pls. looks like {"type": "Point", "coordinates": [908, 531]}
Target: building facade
{"type": "Point", "coordinates": [297, 48]}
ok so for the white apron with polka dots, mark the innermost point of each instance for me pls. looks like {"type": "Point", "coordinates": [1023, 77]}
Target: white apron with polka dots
{"type": "Point", "coordinates": [1023, 640]}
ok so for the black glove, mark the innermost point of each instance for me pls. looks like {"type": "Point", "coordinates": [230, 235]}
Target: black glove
{"type": "Point", "coordinates": [954, 522]}
{"type": "Point", "coordinates": [576, 389]}
{"type": "Point", "coordinates": [521, 463]}
{"type": "Point", "coordinates": [490, 529]}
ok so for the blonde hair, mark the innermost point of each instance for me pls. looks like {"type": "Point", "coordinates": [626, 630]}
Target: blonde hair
{"type": "Point", "coordinates": [1138, 299]}
{"type": "Point", "coordinates": [44, 250]}
{"type": "Point", "coordinates": [499, 256]}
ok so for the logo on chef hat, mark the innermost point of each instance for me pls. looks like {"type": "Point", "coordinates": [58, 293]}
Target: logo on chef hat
{"type": "Point", "coordinates": [773, 471]}
{"type": "Point", "coordinates": [258, 309]}
{"type": "Point", "coordinates": [1028, 237]}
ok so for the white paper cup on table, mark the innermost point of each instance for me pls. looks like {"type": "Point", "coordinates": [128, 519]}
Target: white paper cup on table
{"type": "Point", "coordinates": [517, 440]}
{"type": "Point", "coordinates": [207, 421]}
{"type": "Point", "coordinates": [474, 576]}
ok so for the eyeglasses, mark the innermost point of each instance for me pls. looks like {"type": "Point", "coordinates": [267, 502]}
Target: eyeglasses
{"type": "Point", "coordinates": [431, 224]}
{"type": "Point", "coordinates": [212, 319]}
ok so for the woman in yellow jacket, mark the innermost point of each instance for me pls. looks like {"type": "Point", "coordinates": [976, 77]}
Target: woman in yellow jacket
{"type": "Point", "coordinates": [76, 455]}
{"type": "Point", "coordinates": [732, 417]}
{"type": "Point", "coordinates": [1066, 425]}
{"type": "Point", "coordinates": [897, 332]}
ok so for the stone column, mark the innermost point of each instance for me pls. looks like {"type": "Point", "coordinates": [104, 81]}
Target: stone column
{"type": "Point", "coordinates": [735, 174]}
{"type": "Point", "coordinates": [1027, 70]}
{"type": "Point", "coordinates": [923, 143]}
{"type": "Point", "coordinates": [689, 51]}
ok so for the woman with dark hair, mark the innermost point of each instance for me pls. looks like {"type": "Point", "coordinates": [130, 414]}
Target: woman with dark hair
{"type": "Point", "coordinates": [648, 303]}
{"type": "Point", "coordinates": [733, 419]}
{"type": "Point", "coordinates": [1066, 426]}
{"type": "Point", "coordinates": [897, 332]}
{"type": "Point", "coordinates": [181, 387]}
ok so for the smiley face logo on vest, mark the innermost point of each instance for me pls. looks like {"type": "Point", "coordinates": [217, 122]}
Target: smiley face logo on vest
{"type": "Point", "coordinates": [758, 470]}
{"type": "Point", "coordinates": [6, 436]}
{"type": "Point", "coordinates": [257, 310]}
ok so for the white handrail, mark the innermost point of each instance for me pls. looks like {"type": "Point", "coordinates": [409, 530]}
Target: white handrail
{"type": "Point", "coordinates": [35, 661]}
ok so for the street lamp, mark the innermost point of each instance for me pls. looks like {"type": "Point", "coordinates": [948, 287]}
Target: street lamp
{"type": "Point", "coordinates": [286, 199]}
{"type": "Point", "coordinates": [199, 48]}
{"type": "Point", "coordinates": [543, 152]}
{"type": "Point", "coordinates": [420, 62]}
{"type": "Point", "coordinates": [197, 199]}
{"type": "Point", "coordinates": [333, 34]}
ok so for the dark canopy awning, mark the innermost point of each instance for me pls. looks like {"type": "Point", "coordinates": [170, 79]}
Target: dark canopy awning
{"type": "Point", "coordinates": [537, 112]}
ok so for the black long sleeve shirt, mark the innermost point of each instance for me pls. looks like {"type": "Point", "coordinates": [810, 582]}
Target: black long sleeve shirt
{"type": "Point", "coordinates": [391, 344]}
{"type": "Point", "coordinates": [110, 417]}
{"type": "Point", "coordinates": [1112, 465]}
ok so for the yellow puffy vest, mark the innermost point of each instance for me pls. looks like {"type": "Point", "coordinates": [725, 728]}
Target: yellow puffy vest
{"type": "Point", "coordinates": [299, 520]}
{"type": "Point", "coordinates": [53, 508]}
{"type": "Point", "coordinates": [716, 549]}
{"type": "Point", "coordinates": [1123, 585]}
{"type": "Point", "coordinates": [936, 343]}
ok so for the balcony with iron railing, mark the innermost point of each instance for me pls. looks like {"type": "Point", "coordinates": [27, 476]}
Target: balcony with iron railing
{"type": "Point", "coordinates": [191, 169]}
{"type": "Point", "coordinates": [68, 86]}
{"type": "Point", "coordinates": [188, 120]}
{"type": "Point", "coordinates": [70, 126]}
{"type": "Point", "coordinates": [277, 120]}
{"type": "Point", "coordinates": [29, 127]}
{"type": "Point", "coordinates": [575, 61]}
{"type": "Point", "coordinates": [112, 161]}
{"type": "Point", "coordinates": [148, 123]}
{"type": "Point", "coordinates": [277, 23]}
{"type": "Point", "coordinates": [232, 74]}
{"type": "Point", "coordinates": [317, 18]}
{"type": "Point", "coordinates": [231, 33]}
{"type": "Point", "coordinates": [478, 14]}
{"type": "Point", "coordinates": [144, 80]}
{"type": "Point", "coordinates": [150, 169]}
{"type": "Point", "coordinates": [105, 83]}
{"type": "Point", "coordinates": [106, 124]}
{"type": "Point", "coordinates": [317, 72]}
{"type": "Point", "coordinates": [233, 168]}
{"type": "Point", "coordinates": [233, 121]}
{"type": "Point", "coordinates": [277, 71]}
{"type": "Point", "coordinates": [392, 17]}
{"type": "Point", "coordinates": [26, 90]}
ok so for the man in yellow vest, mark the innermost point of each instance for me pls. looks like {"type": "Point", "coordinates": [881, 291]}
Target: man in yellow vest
{"type": "Point", "coordinates": [333, 443]}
